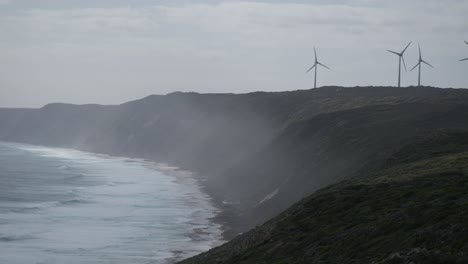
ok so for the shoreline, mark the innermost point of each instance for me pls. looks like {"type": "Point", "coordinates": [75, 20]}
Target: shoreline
{"type": "Point", "coordinates": [220, 214]}
{"type": "Point", "coordinates": [225, 212]}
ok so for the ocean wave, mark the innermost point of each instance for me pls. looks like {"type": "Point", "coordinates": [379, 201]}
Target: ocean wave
{"type": "Point", "coordinates": [12, 238]}
{"type": "Point", "coordinates": [114, 183]}
{"type": "Point", "coordinates": [35, 208]}
{"type": "Point", "coordinates": [74, 177]}
{"type": "Point", "coordinates": [126, 207]}
{"type": "Point", "coordinates": [28, 208]}
{"type": "Point", "coordinates": [65, 167]}
{"type": "Point", "coordinates": [74, 201]}
{"type": "Point", "coordinates": [24, 209]}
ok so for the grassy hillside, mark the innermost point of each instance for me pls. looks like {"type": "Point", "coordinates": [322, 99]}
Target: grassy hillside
{"type": "Point", "coordinates": [332, 147]}
{"type": "Point", "coordinates": [413, 212]}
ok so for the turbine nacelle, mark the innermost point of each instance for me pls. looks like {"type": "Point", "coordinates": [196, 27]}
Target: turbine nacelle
{"type": "Point", "coordinates": [316, 63]}
{"type": "Point", "coordinates": [421, 60]}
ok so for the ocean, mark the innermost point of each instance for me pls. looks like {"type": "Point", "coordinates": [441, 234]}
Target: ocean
{"type": "Point", "coordinates": [67, 206]}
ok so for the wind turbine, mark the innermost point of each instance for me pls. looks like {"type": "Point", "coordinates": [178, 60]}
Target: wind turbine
{"type": "Point", "coordinates": [316, 64]}
{"type": "Point", "coordinates": [465, 58]}
{"type": "Point", "coordinates": [400, 55]}
{"type": "Point", "coordinates": [419, 64]}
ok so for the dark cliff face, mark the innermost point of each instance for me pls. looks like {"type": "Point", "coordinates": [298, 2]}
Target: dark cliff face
{"type": "Point", "coordinates": [330, 148]}
{"type": "Point", "coordinates": [260, 151]}
{"type": "Point", "coordinates": [414, 212]}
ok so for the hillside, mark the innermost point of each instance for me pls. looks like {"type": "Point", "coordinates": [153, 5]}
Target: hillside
{"type": "Point", "coordinates": [257, 153]}
{"type": "Point", "coordinates": [413, 212]}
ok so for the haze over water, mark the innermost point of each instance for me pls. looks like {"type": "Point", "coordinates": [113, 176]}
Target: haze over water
{"type": "Point", "coordinates": [67, 206]}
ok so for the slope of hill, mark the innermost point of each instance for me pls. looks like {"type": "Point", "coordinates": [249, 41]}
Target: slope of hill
{"type": "Point", "coordinates": [332, 147]}
{"type": "Point", "coordinates": [411, 212]}
{"type": "Point", "coordinates": [259, 152]}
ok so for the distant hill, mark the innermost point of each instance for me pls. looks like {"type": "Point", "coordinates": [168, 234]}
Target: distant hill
{"type": "Point", "coordinates": [259, 153]}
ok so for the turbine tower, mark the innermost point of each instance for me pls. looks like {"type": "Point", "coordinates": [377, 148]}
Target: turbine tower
{"type": "Point", "coordinates": [316, 64]}
{"type": "Point", "coordinates": [400, 55]}
{"type": "Point", "coordinates": [420, 61]}
{"type": "Point", "coordinates": [465, 58]}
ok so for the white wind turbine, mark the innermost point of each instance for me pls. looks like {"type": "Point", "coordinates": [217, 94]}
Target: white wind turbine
{"type": "Point", "coordinates": [420, 61]}
{"type": "Point", "coordinates": [316, 64]}
{"type": "Point", "coordinates": [400, 55]}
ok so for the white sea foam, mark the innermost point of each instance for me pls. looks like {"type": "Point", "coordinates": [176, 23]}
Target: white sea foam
{"type": "Point", "coordinates": [75, 207]}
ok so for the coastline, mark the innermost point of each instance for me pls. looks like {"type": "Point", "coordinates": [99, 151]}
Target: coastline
{"type": "Point", "coordinates": [219, 220]}
{"type": "Point", "coordinates": [220, 215]}
{"type": "Point", "coordinates": [225, 213]}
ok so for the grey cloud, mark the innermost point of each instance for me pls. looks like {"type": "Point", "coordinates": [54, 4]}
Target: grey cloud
{"type": "Point", "coordinates": [109, 52]}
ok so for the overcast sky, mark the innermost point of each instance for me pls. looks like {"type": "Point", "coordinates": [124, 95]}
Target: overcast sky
{"type": "Point", "coordinates": [112, 51]}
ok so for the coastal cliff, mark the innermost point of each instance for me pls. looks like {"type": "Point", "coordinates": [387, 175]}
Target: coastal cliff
{"type": "Point", "coordinates": [258, 153]}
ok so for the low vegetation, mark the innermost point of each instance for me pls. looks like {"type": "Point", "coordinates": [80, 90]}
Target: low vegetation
{"type": "Point", "coordinates": [408, 213]}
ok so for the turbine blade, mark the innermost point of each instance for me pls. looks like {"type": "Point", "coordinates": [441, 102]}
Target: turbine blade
{"type": "Point", "coordinates": [464, 59]}
{"type": "Point", "coordinates": [404, 64]}
{"type": "Point", "coordinates": [415, 66]}
{"type": "Point", "coordinates": [322, 65]}
{"type": "Point", "coordinates": [419, 46]}
{"type": "Point", "coordinates": [406, 47]}
{"type": "Point", "coordinates": [311, 68]}
{"type": "Point", "coordinates": [427, 63]}
{"type": "Point", "coordinates": [315, 52]}
{"type": "Point", "coordinates": [394, 52]}
{"type": "Point", "coordinates": [466, 42]}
